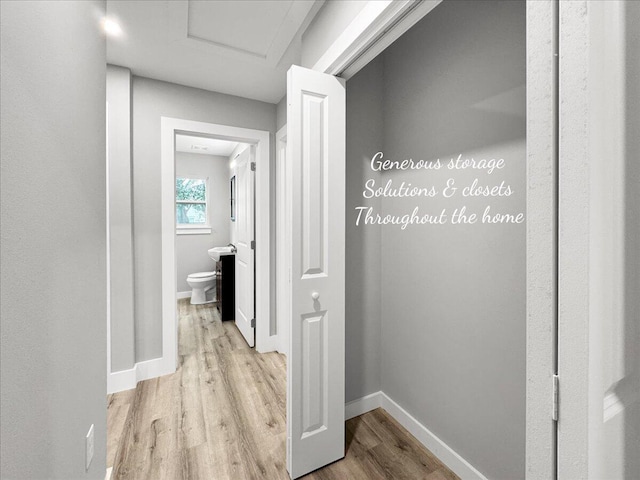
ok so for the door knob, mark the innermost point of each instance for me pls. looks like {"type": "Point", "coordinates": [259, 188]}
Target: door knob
{"type": "Point", "coordinates": [315, 295]}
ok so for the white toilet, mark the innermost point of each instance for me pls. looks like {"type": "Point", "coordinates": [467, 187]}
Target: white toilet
{"type": "Point", "coordinates": [202, 283]}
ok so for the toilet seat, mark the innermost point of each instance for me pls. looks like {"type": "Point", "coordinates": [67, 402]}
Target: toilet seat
{"type": "Point", "coordinates": [202, 275]}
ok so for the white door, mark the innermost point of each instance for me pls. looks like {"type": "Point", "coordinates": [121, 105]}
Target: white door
{"type": "Point", "coordinates": [315, 366]}
{"type": "Point", "coordinates": [245, 298]}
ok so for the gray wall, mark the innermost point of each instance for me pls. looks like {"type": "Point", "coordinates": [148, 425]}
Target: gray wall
{"type": "Point", "coordinates": [120, 217]}
{"type": "Point", "coordinates": [53, 214]}
{"type": "Point", "coordinates": [191, 250]}
{"type": "Point", "coordinates": [451, 297]}
{"type": "Point", "coordinates": [152, 100]}
{"type": "Point", "coordinates": [363, 260]}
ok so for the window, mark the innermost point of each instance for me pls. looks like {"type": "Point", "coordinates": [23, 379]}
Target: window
{"type": "Point", "coordinates": [192, 207]}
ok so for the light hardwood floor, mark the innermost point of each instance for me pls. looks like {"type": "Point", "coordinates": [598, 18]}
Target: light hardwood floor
{"type": "Point", "coordinates": [222, 416]}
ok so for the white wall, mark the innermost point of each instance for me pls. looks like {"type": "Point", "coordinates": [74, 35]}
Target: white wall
{"type": "Point", "coordinates": [191, 250]}
{"type": "Point", "coordinates": [53, 262]}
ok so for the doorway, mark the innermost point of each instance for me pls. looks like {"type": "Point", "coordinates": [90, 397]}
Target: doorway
{"type": "Point", "coordinates": [535, 340]}
{"type": "Point", "coordinates": [215, 227]}
{"type": "Point", "coordinates": [259, 140]}
{"type": "Point", "coordinates": [219, 379]}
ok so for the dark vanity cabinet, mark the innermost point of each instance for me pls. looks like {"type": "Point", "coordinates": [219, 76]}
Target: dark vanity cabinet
{"type": "Point", "coordinates": [226, 287]}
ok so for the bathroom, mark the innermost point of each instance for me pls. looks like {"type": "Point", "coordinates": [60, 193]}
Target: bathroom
{"type": "Point", "coordinates": [204, 216]}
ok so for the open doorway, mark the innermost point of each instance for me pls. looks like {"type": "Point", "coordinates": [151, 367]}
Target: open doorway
{"type": "Point", "coordinates": [223, 389]}
{"type": "Point", "coordinates": [249, 143]}
{"type": "Point", "coordinates": [215, 234]}
{"type": "Point", "coordinates": [203, 222]}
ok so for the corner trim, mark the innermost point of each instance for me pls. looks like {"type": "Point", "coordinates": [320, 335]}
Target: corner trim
{"type": "Point", "coordinates": [376, 27]}
{"type": "Point", "coordinates": [435, 445]}
{"type": "Point", "coordinates": [444, 452]}
{"type": "Point", "coordinates": [362, 405]}
{"type": "Point", "coordinates": [128, 379]}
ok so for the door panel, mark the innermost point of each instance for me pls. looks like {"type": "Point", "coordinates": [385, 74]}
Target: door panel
{"type": "Point", "coordinates": [245, 305]}
{"type": "Point", "coordinates": [315, 367]}
{"type": "Point", "coordinates": [599, 241]}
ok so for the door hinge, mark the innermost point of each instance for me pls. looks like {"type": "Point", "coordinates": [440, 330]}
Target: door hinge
{"type": "Point", "coordinates": [253, 323]}
{"type": "Point", "coordinates": [253, 166]}
{"type": "Point", "coordinates": [253, 244]}
{"type": "Point", "coordinates": [556, 398]}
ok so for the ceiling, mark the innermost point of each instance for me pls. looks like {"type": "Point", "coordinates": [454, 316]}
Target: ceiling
{"type": "Point", "coordinates": [204, 146]}
{"type": "Point", "coordinates": [241, 47]}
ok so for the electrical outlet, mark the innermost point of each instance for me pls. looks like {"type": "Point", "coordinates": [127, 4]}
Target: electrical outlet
{"type": "Point", "coordinates": [89, 447]}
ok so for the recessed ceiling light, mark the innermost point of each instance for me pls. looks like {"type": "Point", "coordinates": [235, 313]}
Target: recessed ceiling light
{"type": "Point", "coordinates": [111, 27]}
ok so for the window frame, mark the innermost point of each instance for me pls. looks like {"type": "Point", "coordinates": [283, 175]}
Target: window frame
{"type": "Point", "coordinates": [191, 228]}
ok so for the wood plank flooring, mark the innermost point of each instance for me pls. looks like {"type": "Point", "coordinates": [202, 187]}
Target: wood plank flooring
{"type": "Point", "coordinates": [222, 416]}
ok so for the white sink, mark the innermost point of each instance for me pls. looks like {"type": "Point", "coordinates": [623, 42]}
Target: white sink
{"type": "Point", "coordinates": [217, 252]}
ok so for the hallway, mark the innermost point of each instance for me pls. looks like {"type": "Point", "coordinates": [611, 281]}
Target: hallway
{"type": "Point", "coordinates": [222, 416]}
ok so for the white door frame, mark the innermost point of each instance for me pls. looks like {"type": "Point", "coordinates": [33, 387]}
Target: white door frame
{"type": "Point", "coordinates": [376, 27]}
{"type": "Point", "coordinates": [260, 138]}
{"type": "Point", "coordinates": [542, 237]}
{"type": "Point", "coordinates": [283, 196]}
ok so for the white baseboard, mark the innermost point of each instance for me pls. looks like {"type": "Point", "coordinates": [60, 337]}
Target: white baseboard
{"type": "Point", "coordinates": [128, 379]}
{"type": "Point", "coordinates": [268, 344]}
{"type": "Point", "coordinates": [362, 405]}
{"type": "Point", "coordinates": [186, 294]}
{"type": "Point", "coordinates": [444, 452]}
